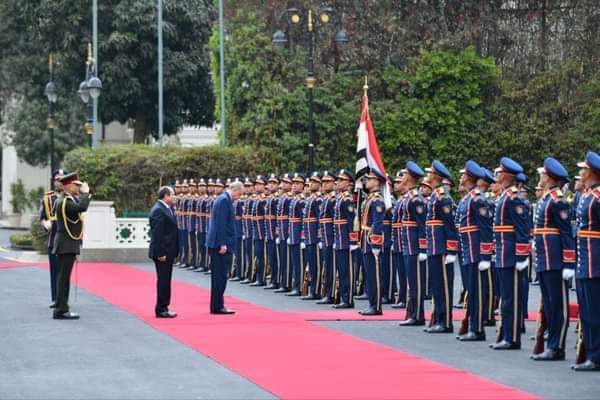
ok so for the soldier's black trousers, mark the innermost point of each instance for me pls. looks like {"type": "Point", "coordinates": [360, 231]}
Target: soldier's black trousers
{"type": "Point", "coordinates": [297, 265]}
{"type": "Point", "coordinates": [314, 268]}
{"type": "Point", "coordinates": [63, 282]}
{"type": "Point", "coordinates": [53, 263]}
{"type": "Point", "coordinates": [387, 275]}
{"type": "Point", "coordinates": [400, 273]}
{"type": "Point", "coordinates": [372, 267]}
{"type": "Point", "coordinates": [442, 286]}
{"type": "Point", "coordinates": [193, 249]}
{"type": "Point", "coordinates": [328, 264]}
{"type": "Point", "coordinates": [478, 296]}
{"type": "Point", "coordinates": [415, 274]}
{"type": "Point", "coordinates": [511, 308]}
{"type": "Point", "coordinates": [272, 261]}
{"type": "Point", "coordinates": [588, 294]}
{"type": "Point", "coordinates": [259, 259]}
{"type": "Point", "coordinates": [555, 298]}
{"type": "Point", "coordinates": [202, 250]}
{"type": "Point", "coordinates": [285, 268]}
{"type": "Point", "coordinates": [343, 260]}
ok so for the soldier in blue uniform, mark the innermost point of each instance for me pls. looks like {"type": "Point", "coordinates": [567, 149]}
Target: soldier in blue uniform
{"type": "Point", "coordinates": [193, 222]}
{"type": "Point", "coordinates": [578, 188]}
{"type": "Point", "coordinates": [179, 218]}
{"type": "Point", "coordinates": [511, 237]}
{"type": "Point", "coordinates": [345, 239]}
{"type": "Point", "coordinates": [524, 190]}
{"type": "Point", "coordinates": [487, 243]}
{"type": "Point", "coordinates": [202, 225]}
{"type": "Point", "coordinates": [588, 262]}
{"type": "Point", "coordinates": [426, 191]}
{"type": "Point", "coordinates": [310, 230]}
{"type": "Point", "coordinates": [238, 207]}
{"type": "Point", "coordinates": [247, 230]}
{"type": "Point", "coordinates": [48, 221]}
{"type": "Point", "coordinates": [475, 243]}
{"type": "Point", "coordinates": [442, 245]}
{"type": "Point", "coordinates": [387, 277]}
{"type": "Point", "coordinates": [183, 206]}
{"type": "Point", "coordinates": [396, 257]}
{"type": "Point", "coordinates": [271, 205]}
{"type": "Point", "coordinates": [371, 241]}
{"type": "Point", "coordinates": [294, 240]}
{"type": "Point", "coordinates": [555, 257]}
{"type": "Point", "coordinates": [326, 236]}
{"type": "Point", "coordinates": [283, 229]}
{"type": "Point", "coordinates": [258, 231]}
{"type": "Point", "coordinates": [414, 244]}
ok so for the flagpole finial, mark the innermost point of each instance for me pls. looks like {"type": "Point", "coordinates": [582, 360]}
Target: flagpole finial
{"type": "Point", "coordinates": [366, 85]}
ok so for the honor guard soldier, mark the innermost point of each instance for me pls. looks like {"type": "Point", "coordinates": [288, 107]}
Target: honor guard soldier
{"type": "Point", "coordinates": [397, 259]}
{"type": "Point", "coordinates": [185, 213]}
{"type": "Point", "coordinates": [69, 234]}
{"type": "Point", "coordinates": [524, 190]}
{"type": "Point", "coordinates": [193, 221]}
{"type": "Point", "coordinates": [238, 207]}
{"type": "Point", "coordinates": [414, 243]}
{"type": "Point", "coordinates": [588, 262]}
{"type": "Point", "coordinates": [283, 229]}
{"type": "Point", "coordinates": [310, 230]}
{"type": "Point", "coordinates": [326, 236]}
{"type": "Point", "coordinates": [511, 237]}
{"type": "Point", "coordinates": [475, 242]}
{"type": "Point", "coordinates": [426, 190]}
{"type": "Point", "coordinates": [247, 230]}
{"type": "Point", "coordinates": [272, 202]}
{"type": "Point", "coordinates": [555, 257]}
{"type": "Point", "coordinates": [388, 276]}
{"type": "Point", "coordinates": [345, 239]}
{"type": "Point", "coordinates": [294, 240]}
{"type": "Point", "coordinates": [371, 241]}
{"type": "Point", "coordinates": [442, 245]}
{"type": "Point", "coordinates": [177, 207]}
{"type": "Point", "coordinates": [201, 208]}
{"type": "Point", "coordinates": [578, 188]}
{"type": "Point", "coordinates": [258, 231]}
{"type": "Point", "coordinates": [487, 243]}
{"type": "Point", "coordinates": [48, 221]}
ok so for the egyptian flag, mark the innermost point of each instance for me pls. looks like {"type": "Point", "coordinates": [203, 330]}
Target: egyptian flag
{"type": "Point", "coordinates": [367, 153]}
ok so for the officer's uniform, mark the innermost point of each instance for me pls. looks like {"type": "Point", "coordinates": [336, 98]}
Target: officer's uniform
{"type": "Point", "coordinates": [511, 237]}
{"type": "Point", "coordinates": [179, 219]}
{"type": "Point", "coordinates": [522, 180]}
{"type": "Point", "coordinates": [474, 227]}
{"type": "Point", "coordinates": [271, 205]}
{"type": "Point", "coordinates": [442, 242]}
{"type": "Point", "coordinates": [326, 236]}
{"type": "Point", "coordinates": [397, 258]}
{"type": "Point", "coordinates": [246, 233]}
{"type": "Point", "coordinates": [388, 276]}
{"type": "Point", "coordinates": [588, 268]}
{"type": "Point", "coordinates": [487, 249]}
{"type": "Point", "coordinates": [193, 223]}
{"type": "Point", "coordinates": [47, 213]}
{"type": "Point", "coordinates": [294, 239]}
{"type": "Point", "coordinates": [258, 234]}
{"type": "Point", "coordinates": [310, 232]}
{"type": "Point", "coordinates": [371, 243]}
{"type": "Point", "coordinates": [202, 228]}
{"type": "Point", "coordinates": [184, 207]}
{"type": "Point", "coordinates": [283, 230]}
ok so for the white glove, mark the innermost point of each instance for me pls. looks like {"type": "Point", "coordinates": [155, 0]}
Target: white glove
{"type": "Point", "coordinates": [321, 245]}
{"type": "Point", "coordinates": [450, 258]}
{"type": "Point", "coordinates": [302, 245]}
{"type": "Point", "coordinates": [376, 252]}
{"type": "Point", "coordinates": [568, 273]}
{"type": "Point", "coordinates": [243, 237]}
{"type": "Point", "coordinates": [46, 224]}
{"type": "Point", "coordinates": [334, 246]}
{"type": "Point", "coordinates": [522, 265]}
{"type": "Point", "coordinates": [484, 265]}
{"type": "Point", "coordinates": [422, 256]}
{"type": "Point", "coordinates": [85, 188]}
{"type": "Point", "coordinates": [277, 241]}
{"type": "Point", "coordinates": [353, 247]}
{"type": "Point", "coordinates": [288, 241]}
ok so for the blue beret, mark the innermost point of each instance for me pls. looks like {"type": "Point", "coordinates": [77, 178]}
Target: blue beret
{"type": "Point", "coordinates": [555, 169]}
{"type": "Point", "coordinates": [522, 178]}
{"type": "Point", "coordinates": [345, 174]}
{"type": "Point", "coordinates": [488, 176]}
{"type": "Point", "coordinates": [510, 166]}
{"type": "Point", "coordinates": [440, 169]}
{"type": "Point", "coordinates": [592, 161]}
{"type": "Point", "coordinates": [414, 170]}
{"type": "Point", "coordinates": [473, 169]}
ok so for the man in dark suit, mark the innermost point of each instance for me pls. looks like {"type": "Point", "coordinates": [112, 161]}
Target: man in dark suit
{"type": "Point", "coordinates": [221, 241]}
{"type": "Point", "coordinates": [164, 246]}
{"type": "Point", "coordinates": [67, 242]}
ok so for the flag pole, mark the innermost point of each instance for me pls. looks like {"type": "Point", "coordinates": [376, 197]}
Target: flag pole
{"type": "Point", "coordinates": [359, 193]}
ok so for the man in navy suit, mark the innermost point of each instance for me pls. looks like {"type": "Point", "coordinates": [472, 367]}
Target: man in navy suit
{"type": "Point", "coordinates": [220, 241]}
{"type": "Point", "coordinates": [164, 246]}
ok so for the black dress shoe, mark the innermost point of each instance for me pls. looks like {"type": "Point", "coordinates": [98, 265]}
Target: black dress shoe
{"type": "Point", "coordinates": [310, 297]}
{"type": "Point", "coordinates": [504, 345]}
{"type": "Point", "coordinates": [361, 297]}
{"type": "Point", "coordinates": [399, 305]}
{"type": "Point", "coordinates": [412, 322]}
{"type": "Point", "coordinates": [166, 314]}
{"type": "Point", "coordinates": [294, 293]}
{"type": "Point", "coordinates": [325, 300]}
{"type": "Point", "coordinates": [272, 286]}
{"type": "Point", "coordinates": [472, 337]}
{"type": "Point", "coordinates": [440, 329]}
{"type": "Point", "coordinates": [53, 305]}
{"type": "Point", "coordinates": [371, 311]}
{"type": "Point", "coordinates": [258, 283]}
{"type": "Point", "coordinates": [282, 290]}
{"type": "Point", "coordinates": [234, 279]}
{"type": "Point", "coordinates": [223, 311]}
{"type": "Point", "coordinates": [246, 281]}
{"type": "Point", "coordinates": [342, 306]}
{"type": "Point", "coordinates": [67, 315]}
{"type": "Point", "coordinates": [589, 365]}
{"type": "Point", "coordinates": [549, 355]}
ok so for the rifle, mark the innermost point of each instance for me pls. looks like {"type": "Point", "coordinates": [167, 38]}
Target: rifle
{"type": "Point", "coordinates": [580, 354]}
{"type": "Point", "coordinates": [500, 326]}
{"type": "Point", "coordinates": [306, 278]}
{"type": "Point", "coordinates": [432, 320]}
{"type": "Point", "coordinates": [541, 325]}
{"type": "Point", "coordinates": [464, 323]}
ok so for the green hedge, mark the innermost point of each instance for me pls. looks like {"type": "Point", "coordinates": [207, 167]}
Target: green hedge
{"type": "Point", "coordinates": [21, 241]}
{"type": "Point", "coordinates": [130, 175]}
{"type": "Point", "coordinates": [39, 236]}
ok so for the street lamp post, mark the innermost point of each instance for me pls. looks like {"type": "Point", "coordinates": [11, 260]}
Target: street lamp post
{"type": "Point", "coordinates": [90, 89]}
{"type": "Point", "coordinates": [311, 21]}
{"type": "Point", "coordinates": [51, 93]}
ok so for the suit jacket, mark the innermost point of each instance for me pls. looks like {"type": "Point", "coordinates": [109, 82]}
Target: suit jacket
{"type": "Point", "coordinates": [221, 230]}
{"type": "Point", "coordinates": [163, 233]}
{"type": "Point", "coordinates": [69, 221]}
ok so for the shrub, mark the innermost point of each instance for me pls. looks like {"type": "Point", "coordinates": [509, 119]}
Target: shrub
{"type": "Point", "coordinates": [39, 235]}
{"type": "Point", "coordinates": [22, 241]}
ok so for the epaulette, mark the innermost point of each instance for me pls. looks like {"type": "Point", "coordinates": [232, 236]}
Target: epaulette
{"type": "Point", "coordinates": [475, 193]}
{"type": "Point", "coordinates": [557, 195]}
{"type": "Point", "coordinates": [375, 195]}
{"type": "Point", "coordinates": [50, 192]}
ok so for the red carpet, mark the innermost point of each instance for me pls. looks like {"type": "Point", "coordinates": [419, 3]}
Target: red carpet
{"type": "Point", "coordinates": [16, 264]}
{"type": "Point", "coordinates": [282, 352]}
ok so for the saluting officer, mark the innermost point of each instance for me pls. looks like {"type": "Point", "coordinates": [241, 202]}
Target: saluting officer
{"type": "Point", "coordinates": [283, 230]}
{"type": "Point", "coordinates": [271, 205]}
{"type": "Point", "coordinates": [310, 230]}
{"type": "Point", "coordinates": [442, 245]}
{"type": "Point", "coordinates": [511, 237]}
{"type": "Point", "coordinates": [326, 235]}
{"type": "Point", "coordinates": [475, 242]}
{"type": "Point", "coordinates": [588, 262]}
{"type": "Point", "coordinates": [397, 259]}
{"type": "Point", "coordinates": [294, 239]}
{"type": "Point", "coordinates": [344, 237]}
{"type": "Point", "coordinates": [371, 241]}
{"type": "Point", "coordinates": [555, 257]}
{"type": "Point", "coordinates": [258, 231]}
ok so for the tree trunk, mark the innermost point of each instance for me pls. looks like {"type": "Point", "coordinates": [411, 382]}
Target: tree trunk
{"type": "Point", "coordinates": [139, 130]}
